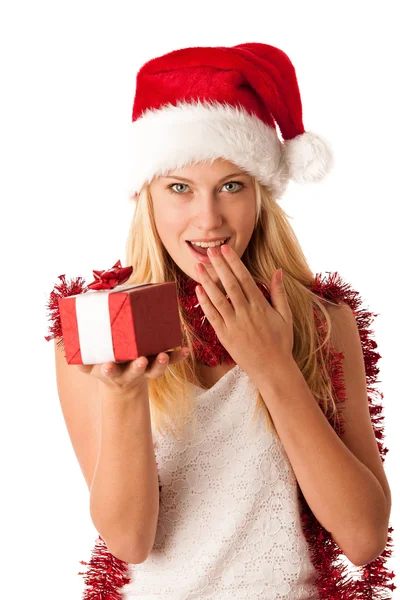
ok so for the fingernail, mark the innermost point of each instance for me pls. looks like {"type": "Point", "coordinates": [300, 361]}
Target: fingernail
{"type": "Point", "coordinates": [186, 352]}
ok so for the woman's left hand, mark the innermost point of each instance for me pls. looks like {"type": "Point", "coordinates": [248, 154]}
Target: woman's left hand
{"type": "Point", "coordinates": [256, 334]}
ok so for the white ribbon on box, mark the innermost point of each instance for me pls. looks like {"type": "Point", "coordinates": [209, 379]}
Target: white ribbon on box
{"type": "Point", "coordinates": [94, 327]}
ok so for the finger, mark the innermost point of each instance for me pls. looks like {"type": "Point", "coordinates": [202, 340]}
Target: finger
{"type": "Point", "coordinates": [157, 368]}
{"type": "Point", "coordinates": [242, 274]}
{"type": "Point", "coordinates": [112, 370]}
{"type": "Point", "coordinates": [218, 299]}
{"type": "Point", "coordinates": [178, 355]}
{"type": "Point", "coordinates": [229, 280]}
{"type": "Point", "coordinates": [173, 355]}
{"type": "Point", "coordinates": [279, 297]}
{"type": "Point", "coordinates": [125, 372]}
{"type": "Point", "coordinates": [166, 358]}
{"type": "Point", "coordinates": [209, 310]}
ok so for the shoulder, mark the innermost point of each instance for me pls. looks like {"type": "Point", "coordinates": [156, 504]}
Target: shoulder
{"type": "Point", "coordinates": [342, 317]}
{"type": "Point", "coordinates": [345, 334]}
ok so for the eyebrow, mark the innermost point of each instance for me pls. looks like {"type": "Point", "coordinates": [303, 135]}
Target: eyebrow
{"type": "Point", "coordinates": [190, 181]}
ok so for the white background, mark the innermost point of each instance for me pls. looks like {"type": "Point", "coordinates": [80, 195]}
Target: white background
{"type": "Point", "coordinates": [68, 78]}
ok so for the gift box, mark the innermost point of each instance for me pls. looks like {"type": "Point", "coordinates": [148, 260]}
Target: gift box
{"type": "Point", "coordinates": [119, 323]}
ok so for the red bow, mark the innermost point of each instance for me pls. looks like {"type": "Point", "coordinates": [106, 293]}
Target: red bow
{"type": "Point", "coordinates": [107, 280]}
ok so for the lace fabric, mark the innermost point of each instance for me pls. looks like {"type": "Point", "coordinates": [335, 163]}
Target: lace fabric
{"type": "Point", "coordinates": [229, 523]}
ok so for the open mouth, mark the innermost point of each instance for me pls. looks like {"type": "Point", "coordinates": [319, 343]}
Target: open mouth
{"type": "Point", "coordinates": [203, 251]}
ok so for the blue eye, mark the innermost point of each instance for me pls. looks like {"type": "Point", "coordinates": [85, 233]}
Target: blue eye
{"type": "Point", "coordinates": [170, 187]}
{"type": "Point", "coordinates": [239, 183]}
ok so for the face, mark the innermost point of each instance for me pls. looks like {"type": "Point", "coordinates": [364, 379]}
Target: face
{"type": "Point", "coordinates": [203, 202]}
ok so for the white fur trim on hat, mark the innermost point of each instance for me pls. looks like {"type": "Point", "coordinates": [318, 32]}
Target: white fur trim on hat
{"type": "Point", "coordinates": [172, 137]}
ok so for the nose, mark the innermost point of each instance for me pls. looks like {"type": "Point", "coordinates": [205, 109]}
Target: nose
{"type": "Point", "coordinates": [208, 213]}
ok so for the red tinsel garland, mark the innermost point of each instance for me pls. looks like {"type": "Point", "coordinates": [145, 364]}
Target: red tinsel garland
{"type": "Point", "coordinates": [107, 574]}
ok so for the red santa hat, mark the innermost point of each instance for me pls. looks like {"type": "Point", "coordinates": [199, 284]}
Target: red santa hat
{"type": "Point", "coordinates": [202, 103]}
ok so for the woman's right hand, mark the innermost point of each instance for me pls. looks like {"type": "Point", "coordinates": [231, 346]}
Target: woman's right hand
{"type": "Point", "coordinates": [123, 378]}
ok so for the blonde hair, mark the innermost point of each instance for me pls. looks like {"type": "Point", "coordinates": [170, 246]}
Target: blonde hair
{"type": "Point", "coordinates": [273, 245]}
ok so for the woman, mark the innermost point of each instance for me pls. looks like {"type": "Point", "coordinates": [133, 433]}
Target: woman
{"type": "Point", "coordinates": [246, 507]}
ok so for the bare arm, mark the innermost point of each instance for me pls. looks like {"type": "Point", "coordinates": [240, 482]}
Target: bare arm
{"type": "Point", "coordinates": [124, 495]}
{"type": "Point", "coordinates": [107, 413]}
{"type": "Point", "coordinates": [343, 493]}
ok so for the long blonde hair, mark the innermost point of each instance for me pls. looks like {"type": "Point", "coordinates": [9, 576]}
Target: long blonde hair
{"type": "Point", "coordinates": [273, 245]}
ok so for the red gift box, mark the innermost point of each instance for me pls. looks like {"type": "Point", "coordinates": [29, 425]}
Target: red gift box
{"type": "Point", "coordinates": [119, 324]}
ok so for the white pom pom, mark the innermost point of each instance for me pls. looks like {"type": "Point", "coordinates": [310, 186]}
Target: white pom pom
{"type": "Point", "coordinates": [308, 156]}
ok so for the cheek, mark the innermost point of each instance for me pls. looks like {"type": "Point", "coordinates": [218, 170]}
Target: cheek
{"type": "Point", "coordinates": [245, 219]}
{"type": "Point", "coordinates": [169, 226]}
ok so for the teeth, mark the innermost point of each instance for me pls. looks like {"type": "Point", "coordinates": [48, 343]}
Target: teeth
{"type": "Point", "coordinates": [209, 244]}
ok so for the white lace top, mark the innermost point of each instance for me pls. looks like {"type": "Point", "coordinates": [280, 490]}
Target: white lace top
{"type": "Point", "coordinates": [229, 522]}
